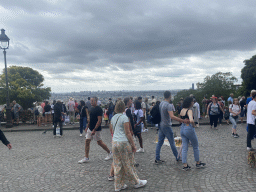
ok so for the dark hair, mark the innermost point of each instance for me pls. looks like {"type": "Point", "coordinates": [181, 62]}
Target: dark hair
{"type": "Point", "coordinates": [126, 100]}
{"type": "Point", "coordinates": [153, 96]}
{"type": "Point", "coordinates": [82, 103]}
{"type": "Point", "coordinates": [253, 95]}
{"type": "Point", "coordinates": [137, 105]}
{"type": "Point", "coordinates": [89, 98]}
{"type": "Point", "coordinates": [167, 94]}
{"type": "Point", "coordinates": [158, 103]}
{"type": "Point", "coordinates": [187, 102]}
{"type": "Point", "coordinates": [139, 98]}
{"type": "Point", "coordinates": [54, 102]}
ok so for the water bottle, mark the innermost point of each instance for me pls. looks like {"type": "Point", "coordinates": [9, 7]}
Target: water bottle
{"type": "Point", "coordinates": [58, 131]}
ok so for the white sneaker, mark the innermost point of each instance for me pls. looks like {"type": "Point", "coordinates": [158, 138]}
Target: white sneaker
{"type": "Point", "coordinates": [122, 188]}
{"type": "Point", "coordinates": [250, 149]}
{"type": "Point", "coordinates": [84, 160]}
{"type": "Point", "coordinates": [141, 183]}
{"type": "Point", "coordinates": [81, 135]}
{"type": "Point", "coordinates": [140, 150]}
{"type": "Point", "coordinates": [53, 126]}
{"type": "Point", "coordinates": [145, 130]}
{"type": "Point", "coordinates": [109, 156]}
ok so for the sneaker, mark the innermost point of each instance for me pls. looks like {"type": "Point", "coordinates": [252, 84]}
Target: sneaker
{"type": "Point", "coordinates": [232, 134]}
{"type": "Point", "coordinates": [186, 168]}
{"type": "Point", "coordinates": [84, 160]}
{"type": "Point", "coordinates": [145, 130]}
{"type": "Point", "coordinates": [122, 188]}
{"type": "Point", "coordinates": [109, 156]}
{"type": "Point", "coordinates": [81, 135]}
{"type": "Point", "coordinates": [200, 165]}
{"type": "Point", "coordinates": [141, 183]}
{"type": "Point", "coordinates": [53, 126]}
{"type": "Point", "coordinates": [157, 162]}
{"type": "Point", "coordinates": [136, 165]}
{"type": "Point", "coordinates": [111, 178]}
{"type": "Point", "coordinates": [140, 150]}
{"type": "Point", "coordinates": [250, 149]}
{"type": "Point", "coordinates": [236, 135]}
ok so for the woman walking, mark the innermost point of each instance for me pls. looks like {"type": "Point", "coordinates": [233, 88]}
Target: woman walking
{"type": "Point", "coordinates": [84, 116]}
{"type": "Point", "coordinates": [213, 111]}
{"type": "Point", "coordinates": [188, 133]}
{"type": "Point", "coordinates": [234, 110]}
{"type": "Point", "coordinates": [123, 148]}
{"type": "Point", "coordinates": [139, 116]}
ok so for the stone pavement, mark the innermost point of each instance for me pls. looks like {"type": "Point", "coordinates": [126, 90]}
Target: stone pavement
{"type": "Point", "coordinates": [38, 162]}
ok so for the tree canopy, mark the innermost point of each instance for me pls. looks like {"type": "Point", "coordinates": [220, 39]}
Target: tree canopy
{"type": "Point", "coordinates": [25, 86]}
{"type": "Point", "coordinates": [248, 74]}
{"type": "Point", "coordinates": [219, 84]}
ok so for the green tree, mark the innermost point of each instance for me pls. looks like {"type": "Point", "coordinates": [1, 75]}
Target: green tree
{"type": "Point", "coordinates": [219, 84]}
{"type": "Point", "coordinates": [248, 74]}
{"type": "Point", "coordinates": [25, 86]}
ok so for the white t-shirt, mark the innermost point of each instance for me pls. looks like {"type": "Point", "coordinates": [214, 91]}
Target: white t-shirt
{"type": "Point", "coordinates": [235, 108]}
{"type": "Point", "coordinates": [139, 114]}
{"type": "Point", "coordinates": [118, 127]}
{"type": "Point", "coordinates": [250, 116]}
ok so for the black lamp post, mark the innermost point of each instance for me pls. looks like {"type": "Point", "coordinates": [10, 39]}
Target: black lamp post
{"type": "Point", "coordinates": [4, 44]}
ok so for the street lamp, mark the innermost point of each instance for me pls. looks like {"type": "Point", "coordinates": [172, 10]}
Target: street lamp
{"type": "Point", "coordinates": [4, 44]}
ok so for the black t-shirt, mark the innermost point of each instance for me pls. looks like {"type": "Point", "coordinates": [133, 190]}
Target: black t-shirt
{"type": "Point", "coordinates": [129, 115]}
{"type": "Point", "coordinates": [242, 104]}
{"type": "Point", "coordinates": [95, 112]}
{"type": "Point", "coordinates": [82, 110]}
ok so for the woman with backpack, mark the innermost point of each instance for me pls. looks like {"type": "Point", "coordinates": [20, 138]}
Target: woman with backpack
{"type": "Point", "coordinates": [234, 110]}
{"type": "Point", "coordinates": [213, 111]}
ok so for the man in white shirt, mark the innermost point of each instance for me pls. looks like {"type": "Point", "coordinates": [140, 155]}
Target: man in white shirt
{"type": "Point", "coordinates": [144, 107]}
{"type": "Point", "coordinates": [251, 115]}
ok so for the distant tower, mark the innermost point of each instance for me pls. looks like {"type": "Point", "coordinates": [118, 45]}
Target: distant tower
{"type": "Point", "coordinates": [193, 86]}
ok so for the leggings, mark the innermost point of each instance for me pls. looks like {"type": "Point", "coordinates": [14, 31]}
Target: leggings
{"type": "Point", "coordinates": [214, 120]}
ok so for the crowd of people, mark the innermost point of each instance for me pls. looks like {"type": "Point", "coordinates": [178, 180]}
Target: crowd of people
{"type": "Point", "coordinates": [128, 118]}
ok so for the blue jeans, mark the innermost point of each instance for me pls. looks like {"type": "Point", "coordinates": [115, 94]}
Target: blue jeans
{"type": "Point", "coordinates": [188, 134]}
{"type": "Point", "coordinates": [233, 121]}
{"type": "Point", "coordinates": [110, 116]}
{"type": "Point", "coordinates": [83, 122]}
{"type": "Point", "coordinates": [162, 133]}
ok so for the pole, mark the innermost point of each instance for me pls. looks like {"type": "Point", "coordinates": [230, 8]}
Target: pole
{"type": "Point", "coordinates": [8, 108]}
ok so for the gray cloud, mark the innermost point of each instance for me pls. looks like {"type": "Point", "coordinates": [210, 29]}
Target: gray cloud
{"type": "Point", "coordinates": [64, 36]}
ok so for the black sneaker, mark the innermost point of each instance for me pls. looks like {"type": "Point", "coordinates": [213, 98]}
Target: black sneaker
{"type": "Point", "coordinates": [236, 135]}
{"type": "Point", "coordinates": [186, 168]}
{"type": "Point", "coordinates": [157, 162]}
{"type": "Point", "coordinates": [233, 134]}
{"type": "Point", "coordinates": [200, 165]}
{"type": "Point", "coordinates": [136, 165]}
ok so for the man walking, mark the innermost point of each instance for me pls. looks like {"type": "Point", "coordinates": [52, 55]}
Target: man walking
{"type": "Point", "coordinates": [144, 108]}
{"type": "Point", "coordinates": [88, 104]}
{"type": "Point", "coordinates": [165, 129]}
{"type": "Point", "coordinates": [111, 108]}
{"type": "Point", "coordinates": [93, 130]}
{"type": "Point", "coordinates": [71, 111]}
{"type": "Point", "coordinates": [230, 99]}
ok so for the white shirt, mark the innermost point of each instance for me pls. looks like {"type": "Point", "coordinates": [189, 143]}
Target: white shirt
{"type": "Point", "coordinates": [198, 109]}
{"type": "Point", "coordinates": [250, 116]}
{"type": "Point", "coordinates": [234, 108]}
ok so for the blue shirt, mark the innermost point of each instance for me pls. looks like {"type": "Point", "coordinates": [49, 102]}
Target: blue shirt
{"type": "Point", "coordinates": [248, 100]}
{"type": "Point", "coordinates": [230, 99]}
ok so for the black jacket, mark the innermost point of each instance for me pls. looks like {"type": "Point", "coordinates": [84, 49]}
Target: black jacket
{"type": "Point", "coordinates": [57, 111]}
{"type": "Point", "coordinates": [3, 138]}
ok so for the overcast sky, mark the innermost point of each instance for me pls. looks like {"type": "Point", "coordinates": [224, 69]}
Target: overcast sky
{"type": "Point", "coordinates": [95, 45]}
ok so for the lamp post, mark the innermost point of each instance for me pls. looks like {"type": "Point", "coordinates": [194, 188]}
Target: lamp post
{"type": "Point", "coordinates": [4, 40]}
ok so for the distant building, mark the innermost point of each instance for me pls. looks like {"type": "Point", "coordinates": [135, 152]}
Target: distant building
{"type": "Point", "coordinates": [193, 86]}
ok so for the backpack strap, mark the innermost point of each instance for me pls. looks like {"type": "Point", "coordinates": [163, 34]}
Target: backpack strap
{"type": "Point", "coordinates": [116, 122]}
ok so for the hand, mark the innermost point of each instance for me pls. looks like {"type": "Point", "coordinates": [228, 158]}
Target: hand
{"type": "Point", "coordinates": [93, 132]}
{"type": "Point", "coordinates": [9, 146]}
{"type": "Point", "coordinates": [186, 121]}
{"type": "Point", "coordinates": [134, 149]}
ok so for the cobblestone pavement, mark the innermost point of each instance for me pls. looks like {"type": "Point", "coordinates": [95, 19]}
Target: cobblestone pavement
{"type": "Point", "coordinates": [38, 162]}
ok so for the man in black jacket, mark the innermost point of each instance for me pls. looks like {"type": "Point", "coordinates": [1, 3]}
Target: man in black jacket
{"type": "Point", "coordinates": [58, 112]}
{"type": "Point", "coordinates": [4, 140]}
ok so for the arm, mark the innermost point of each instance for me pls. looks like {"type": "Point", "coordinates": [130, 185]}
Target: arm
{"type": "Point", "coordinates": [111, 129]}
{"type": "Point", "coordinates": [4, 140]}
{"type": "Point", "coordinates": [130, 126]}
{"type": "Point", "coordinates": [129, 136]}
{"type": "Point", "coordinates": [254, 112]}
{"type": "Point", "coordinates": [190, 116]}
{"type": "Point", "coordinates": [172, 116]}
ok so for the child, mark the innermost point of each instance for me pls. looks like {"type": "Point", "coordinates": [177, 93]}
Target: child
{"type": "Point", "coordinates": [226, 115]}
